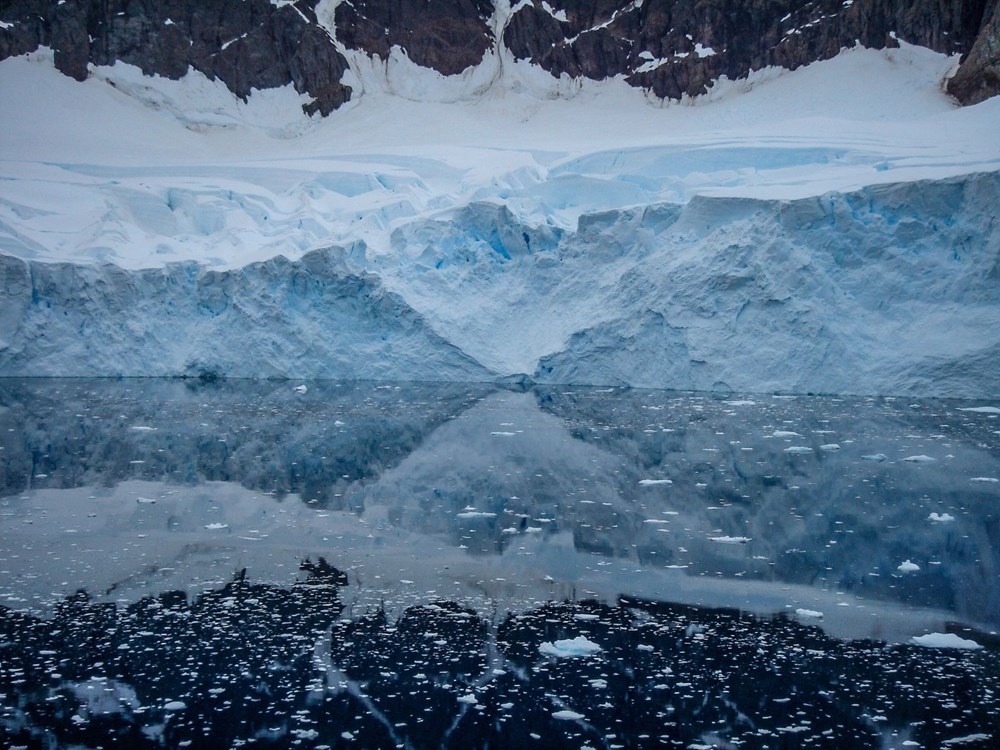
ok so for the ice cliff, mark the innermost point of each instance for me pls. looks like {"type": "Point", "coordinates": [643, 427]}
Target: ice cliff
{"type": "Point", "coordinates": [889, 289]}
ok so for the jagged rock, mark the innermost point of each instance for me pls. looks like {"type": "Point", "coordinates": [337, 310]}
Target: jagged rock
{"type": "Point", "coordinates": [678, 47]}
{"type": "Point", "coordinates": [446, 35]}
{"type": "Point", "coordinates": [669, 47]}
{"type": "Point", "coordinates": [978, 77]}
{"type": "Point", "coordinates": [246, 44]}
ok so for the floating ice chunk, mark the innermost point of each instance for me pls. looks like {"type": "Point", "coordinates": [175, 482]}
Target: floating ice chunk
{"type": "Point", "coordinates": [477, 514]}
{"type": "Point", "coordinates": [740, 403]}
{"type": "Point", "coordinates": [921, 459]}
{"type": "Point", "coordinates": [967, 739]}
{"type": "Point", "coordinates": [830, 447]}
{"type": "Point", "coordinates": [174, 706]}
{"type": "Point", "coordinates": [982, 409]}
{"type": "Point", "coordinates": [944, 640]}
{"type": "Point", "coordinates": [468, 698]}
{"type": "Point", "coordinates": [784, 434]}
{"type": "Point", "coordinates": [570, 647]}
{"type": "Point", "coordinates": [645, 647]}
{"type": "Point", "coordinates": [145, 500]}
{"type": "Point", "coordinates": [503, 434]}
{"type": "Point", "coordinates": [907, 567]}
{"type": "Point", "coordinates": [653, 482]}
{"type": "Point", "coordinates": [990, 480]}
{"type": "Point", "coordinates": [798, 449]}
{"type": "Point", "coordinates": [301, 389]}
{"type": "Point", "coordinates": [142, 428]}
{"type": "Point", "coordinates": [809, 613]}
{"type": "Point", "coordinates": [875, 457]}
{"type": "Point", "coordinates": [729, 539]}
{"type": "Point", "coordinates": [941, 517]}
{"type": "Point", "coordinates": [567, 715]}
{"type": "Point", "coordinates": [216, 526]}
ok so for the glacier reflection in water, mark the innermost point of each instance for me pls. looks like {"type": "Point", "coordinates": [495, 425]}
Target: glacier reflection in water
{"type": "Point", "coordinates": [381, 565]}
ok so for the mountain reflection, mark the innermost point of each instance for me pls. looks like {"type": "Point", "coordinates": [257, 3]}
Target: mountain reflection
{"type": "Point", "coordinates": [249, 664]}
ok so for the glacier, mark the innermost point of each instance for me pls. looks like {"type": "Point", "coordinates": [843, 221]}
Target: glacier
{"type": "Point", "coordinates": [793, 232]}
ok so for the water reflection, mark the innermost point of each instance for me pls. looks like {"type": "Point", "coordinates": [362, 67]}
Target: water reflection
{"type": "Point", "coordinates": [715, 501]}
{"type": "Point", "coordinates": [248, 664]}
{"type": "Point", "coordinates": [753, 571]}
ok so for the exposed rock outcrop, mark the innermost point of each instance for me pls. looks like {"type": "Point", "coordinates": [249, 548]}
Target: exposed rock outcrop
{"type": "Point", "coordinates": [978, 77]}
{"type": "Point", "coordinates": [670, 47]}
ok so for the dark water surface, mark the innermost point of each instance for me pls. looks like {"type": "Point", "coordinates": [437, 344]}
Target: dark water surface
{"type": "Point", "coordinates": [215, 565]}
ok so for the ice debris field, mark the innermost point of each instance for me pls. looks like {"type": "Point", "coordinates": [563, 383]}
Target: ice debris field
{"type": "Point", "coordinates": [831, 229]}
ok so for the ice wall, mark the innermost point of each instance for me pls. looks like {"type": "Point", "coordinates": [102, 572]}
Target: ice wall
{"type": "Point", "coordinates": [308, 319]}
{"type": "Point", "coordinates": [891, 289]}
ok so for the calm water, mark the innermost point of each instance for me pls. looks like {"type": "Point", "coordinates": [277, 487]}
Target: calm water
{"type": "Point", "coordinates": [241, 564]}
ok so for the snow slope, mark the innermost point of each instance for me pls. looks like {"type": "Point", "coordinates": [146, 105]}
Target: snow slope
{"type": "Point", "coordinates": [553, 227]}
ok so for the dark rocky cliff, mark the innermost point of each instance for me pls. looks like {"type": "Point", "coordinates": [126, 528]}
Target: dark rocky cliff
{"type": "Point", "coordinates": [670, 47]}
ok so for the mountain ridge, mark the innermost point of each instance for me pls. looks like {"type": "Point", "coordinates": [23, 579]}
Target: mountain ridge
{"type": "Point", "coordinates": [671, 48]}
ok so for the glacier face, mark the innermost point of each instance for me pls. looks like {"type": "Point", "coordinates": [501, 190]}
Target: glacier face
{"type": "Point", "coordinates": [308, 319]}
{"type": "Point", "coordinates": [891, 289]}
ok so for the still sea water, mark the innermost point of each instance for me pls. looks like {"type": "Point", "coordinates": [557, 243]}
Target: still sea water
{"type": "Point", "coordinates": [360, 565]}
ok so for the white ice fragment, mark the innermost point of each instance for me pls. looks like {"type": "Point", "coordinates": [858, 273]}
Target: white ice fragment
{"type": "Point", "coordinates": [921, 459]}
{"type": "Point", "coordinates": [798, 449]}
{"type": "Point", "coordinates": [468, 698]}
{"type": "Point", "coordinates": [645, 647]}
{"type": "Point", "coordinates": [477, 514]}
{"type": "Point", "coordinates": [944, 640]}
{"type": "Point", "coordinates": [567, 715]}
{"type": "Point", "coordinates": [830, 447]}
{"type": "Point", "coordinates": [784, 434]}
{"type": "Point", "coordinates": [301, 389]}
{"type": "Point", "coordinates": [585, 617]}
{"type": "Point", "coordinates": [875, 457]}
{"type": "Point", "coordinates": [740, 403]}
{"type": "Point", "coordinates": [941, 517]}
{"type": "Point", "coordinates": [142, 428]}
{"type": "Point", "coordinates": [503, 434]}
{"type": "Point", "coordinates": [907, 567]}
{"type": "Point", "coordinates": [653, 482]}
{"type": "Point", "coordinates": [216, 526]}
{"type": "Point", "coordinates": [174, 706]}
{"type": "Point", "coordinates": [982, 409]}
{"type": "Point", "coordinates": [990, 480]}
{"type": "Point", "coordinates": [729, 539]}
{"type": "Point", "coordinates": [570, 647]}
{"type": "Point", "coordinates": [145, 500]}
{"type": "Point", "coordinates": [809, 613]}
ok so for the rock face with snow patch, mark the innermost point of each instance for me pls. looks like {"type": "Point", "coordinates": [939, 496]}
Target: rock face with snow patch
{"type": "Point", "coordinates": [246, 44]}
{"type": "Point", "coordinates": [670, 47]}
{"type": "Point", "coordinates": [312, 318]}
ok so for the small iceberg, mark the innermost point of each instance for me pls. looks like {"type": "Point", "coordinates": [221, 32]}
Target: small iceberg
{"type": "Point", "coordinates": [567, 715]}
{"type": "Point", "coordinates": [301, 389]}
{"type": "Point", "coordinates": [798, 449]}
{"type": "Point", "coordinates": [921, 459]}
{"type": "Point", "coordinates": [729, 539]}
{"type": "Point", "coordinates": [784, 434]}
{"type": "Point", "coordinates": [830, 447]}
{"type": "Point", "coordinates": [908, 567]}
{"type": "Point", "coordinates": [988, 480]}
{"type": "Point", "coordinates": [940, 518]}
{"type": "Point", "coordinates": [944, 640]}
{"type": "Point", "coordinates": [875, 457]}
{"type": "Point", "coordinates": [810, 614]}
{"type": "Point", "coordinates": [982, 409]}
{"type": "Point", "coordinates": [653, 482]}
{"type": "Point", "coordinates": [570, 647]}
